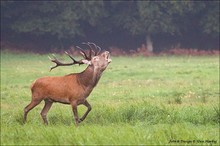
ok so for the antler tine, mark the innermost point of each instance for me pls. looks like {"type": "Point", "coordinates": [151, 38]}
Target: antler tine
{"type": "Point", "coordinates": [90, 43]}
{"type": "Point", "coordinates": [74, 61]}
{"type": "Point", "coordinates": [90, 49]}
{"type": "Point", "coordinates": [96, 47]}
{"type": "Point", "coordinates": [53, 60]}
{"type": "Point", "coordinates": [99, 50]}
{"type": "Point", "coordinates": [70, 56]}
{"type": "Point", "coordinates": [83, 53]}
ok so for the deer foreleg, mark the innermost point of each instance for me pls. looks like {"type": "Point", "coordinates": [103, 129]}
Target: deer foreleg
{"type": "Point", "coordinates": [75, 112]}
{"type": "Point", "coordinates": [89, 108]}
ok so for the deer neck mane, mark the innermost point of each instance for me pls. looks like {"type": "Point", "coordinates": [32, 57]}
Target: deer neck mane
{"type": "Point", "coordinates": [89, 77]}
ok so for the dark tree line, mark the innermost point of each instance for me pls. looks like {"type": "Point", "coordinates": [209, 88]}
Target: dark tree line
{"type": "Point", "coordinates": [61, 23]}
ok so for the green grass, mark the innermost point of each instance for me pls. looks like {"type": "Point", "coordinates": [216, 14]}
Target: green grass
{"type": "Point", "coordinates": [138, 101]}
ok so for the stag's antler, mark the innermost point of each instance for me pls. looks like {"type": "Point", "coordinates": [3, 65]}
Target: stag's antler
{"type": "Point", "coordinates": [58, 63]}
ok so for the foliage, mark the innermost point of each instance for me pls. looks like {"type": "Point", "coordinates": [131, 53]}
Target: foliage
{"type": "Point", "coordinates": [152, 17]}
{"type": "Point", "coordinates": [66, 20]}
{"type": "Point", "coordinates": [210, 22]}
{"type": "Point", "coordinates": [138, 101]}
{"type": "Point", "coordinates": [62, 19]}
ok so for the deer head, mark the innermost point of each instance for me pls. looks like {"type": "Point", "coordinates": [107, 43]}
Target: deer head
{"type": "Point", "coordinates": [96, 59]}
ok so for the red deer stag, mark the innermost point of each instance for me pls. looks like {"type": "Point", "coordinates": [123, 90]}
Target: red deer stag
{"type": "Point", "coordinates": [70, 89]}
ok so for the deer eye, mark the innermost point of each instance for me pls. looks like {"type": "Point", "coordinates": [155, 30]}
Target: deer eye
{"type": "Point", "coordinates": [96, 58]}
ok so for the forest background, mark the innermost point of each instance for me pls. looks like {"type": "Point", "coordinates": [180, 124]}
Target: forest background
{"type": "Point", "coordinates": [45, 26]}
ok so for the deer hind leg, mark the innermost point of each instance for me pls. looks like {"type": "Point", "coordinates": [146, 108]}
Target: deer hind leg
{"type": "Point", "coordinates": [89, 108]}
{"type": "Point", "coordinates": [30, 107]}
{"type": "Point", "coordinates": [45, 110]}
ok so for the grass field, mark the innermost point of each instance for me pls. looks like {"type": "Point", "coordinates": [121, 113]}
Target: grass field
{"type": "Point", "coordinates": [138, 101]}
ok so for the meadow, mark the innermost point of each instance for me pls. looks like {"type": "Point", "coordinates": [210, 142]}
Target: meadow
{"type": "Point", "coordinates": [164, 100]}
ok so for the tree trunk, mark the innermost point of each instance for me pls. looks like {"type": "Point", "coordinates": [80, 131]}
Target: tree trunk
{"type": "Point", "coordinates": [149, 43]}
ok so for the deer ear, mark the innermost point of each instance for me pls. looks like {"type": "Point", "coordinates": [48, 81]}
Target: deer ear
{"type": "Point", "coordinates": [86, 62]}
